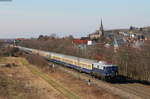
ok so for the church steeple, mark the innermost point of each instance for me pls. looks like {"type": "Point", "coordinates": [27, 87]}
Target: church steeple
{"type": "Point", "coordinates": [101, 30]}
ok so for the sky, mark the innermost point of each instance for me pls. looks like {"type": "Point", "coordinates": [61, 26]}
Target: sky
{"type": "Point", "coordinates": [31, 18]}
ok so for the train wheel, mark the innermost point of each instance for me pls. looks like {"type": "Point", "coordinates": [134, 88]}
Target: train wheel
{"type": "Point", "coordinates": [92, 74]}
{"type": "Point", "coordinates": [103, 78]}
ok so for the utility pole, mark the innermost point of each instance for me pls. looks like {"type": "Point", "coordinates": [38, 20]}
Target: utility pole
{"type": "Point", "coordinates": [127, 63]}
{"type": "Point", "coordinates": [116, 46]}
{"type": "Point", "coordinates": [78, 60]}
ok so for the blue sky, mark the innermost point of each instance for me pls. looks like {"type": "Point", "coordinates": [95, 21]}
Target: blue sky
{"type": "Point", "coordinates": [30, 18]}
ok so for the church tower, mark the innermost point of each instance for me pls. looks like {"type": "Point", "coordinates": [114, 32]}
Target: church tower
{"type": "Point", "coordinates": [101, 30]}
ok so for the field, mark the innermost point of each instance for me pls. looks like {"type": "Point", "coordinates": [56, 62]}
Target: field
{"type": "Point", "coordinates": [21, 80]}
{"type": "Point", "coordinates": [17, 82]}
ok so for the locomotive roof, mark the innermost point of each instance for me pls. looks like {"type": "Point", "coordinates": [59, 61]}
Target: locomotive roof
{"type": "Point", "coordinates": [104, 64]}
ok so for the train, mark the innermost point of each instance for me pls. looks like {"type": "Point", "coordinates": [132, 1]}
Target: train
{"type": "Point", "coordinates": [100, 69]}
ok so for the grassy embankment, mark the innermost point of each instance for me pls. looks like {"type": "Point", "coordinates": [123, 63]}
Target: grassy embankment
{"type": "Point", "coordinates": [53, 83]}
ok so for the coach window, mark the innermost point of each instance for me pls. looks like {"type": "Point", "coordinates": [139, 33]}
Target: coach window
{"type": "Point", "coordinates": [98, 66]}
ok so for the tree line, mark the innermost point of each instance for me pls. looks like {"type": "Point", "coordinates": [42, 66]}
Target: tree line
{"type": "Point", "coordinates": [133, 63]}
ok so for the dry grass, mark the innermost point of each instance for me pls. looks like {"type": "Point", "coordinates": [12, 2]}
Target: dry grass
{"type": "Point", "coordinates": [80, 87]}
{"type": "Point", "coordinates": [52, 82]}
{"type": "Point", "coordinates": [19, 83]}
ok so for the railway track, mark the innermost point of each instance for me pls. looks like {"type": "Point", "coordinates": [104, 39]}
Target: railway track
{"type": "Point", "coordinates": [134, 89]}
{"type": "Point", "coordinates": [53, 83]}
{"type": "Point", "coordinates": [130, 90]}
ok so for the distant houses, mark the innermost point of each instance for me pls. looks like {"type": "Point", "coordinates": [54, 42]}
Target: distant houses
{"type": "Point", "coordinates": [119, 37]}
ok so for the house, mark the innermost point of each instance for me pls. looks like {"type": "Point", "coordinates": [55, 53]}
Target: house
{"type": "Point", "coordinates": [79, 41]}
{"type": "Point", "coordinates": [95, 35]}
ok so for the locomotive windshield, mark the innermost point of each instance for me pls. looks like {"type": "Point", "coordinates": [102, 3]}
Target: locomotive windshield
{"type": "Point", "coordinates": [112, 68]}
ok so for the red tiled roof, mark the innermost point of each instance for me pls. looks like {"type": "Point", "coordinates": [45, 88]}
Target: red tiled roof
{"type": "Point", "coordinates": [78, 41]}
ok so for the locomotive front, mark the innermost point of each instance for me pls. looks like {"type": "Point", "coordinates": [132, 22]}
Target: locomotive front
{"type": "Point", "coordinates": [111, 71]}
{"type": "Point", "coordinates": [105, 70]}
